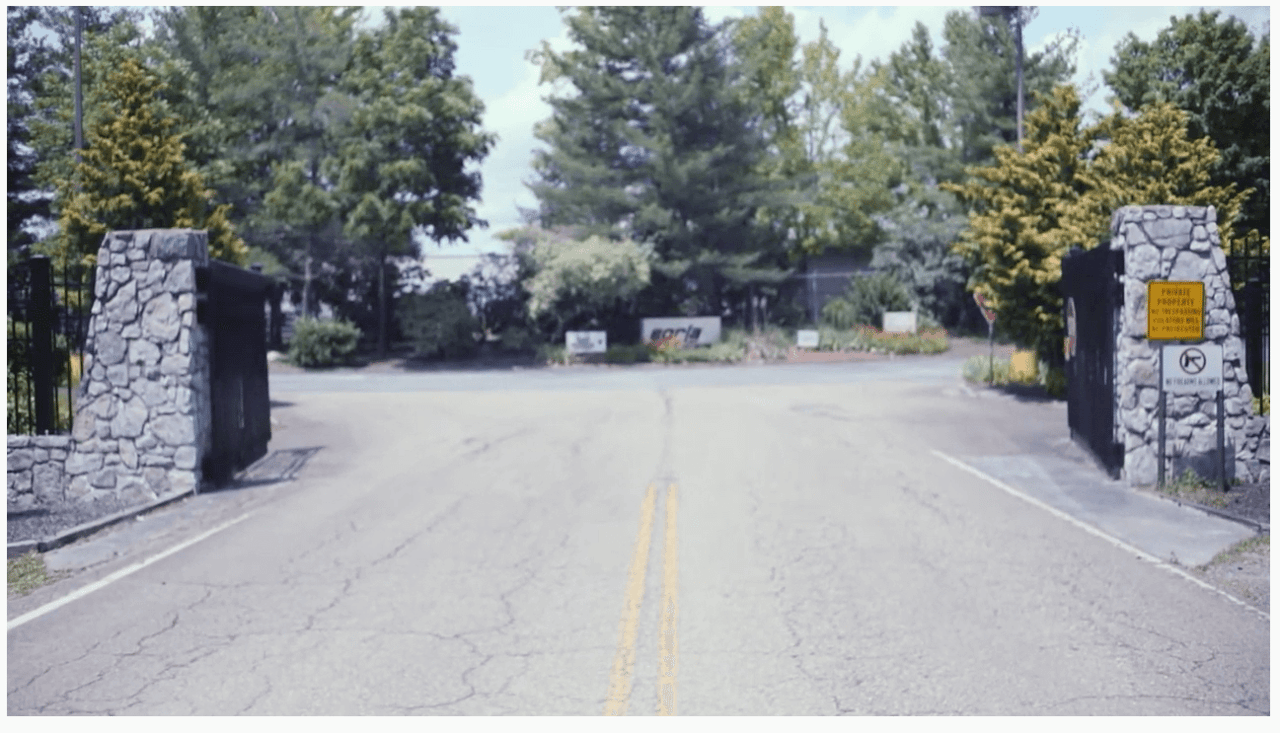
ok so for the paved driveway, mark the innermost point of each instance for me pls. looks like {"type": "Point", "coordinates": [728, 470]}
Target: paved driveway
{"type": "Point", "coordinates": [821, 539]}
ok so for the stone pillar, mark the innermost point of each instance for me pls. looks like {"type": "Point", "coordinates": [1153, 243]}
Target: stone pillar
{"type": "Point", "coordinates": [1178, 243]}
{"type": "Point", "coordinates": [143, 415]}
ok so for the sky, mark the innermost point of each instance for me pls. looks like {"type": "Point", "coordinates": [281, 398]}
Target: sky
{"type": "Point", "coordinates": [492, 41]}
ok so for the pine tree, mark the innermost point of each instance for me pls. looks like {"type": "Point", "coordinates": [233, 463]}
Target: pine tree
{"type": "Point", "coordinates": [133, 174]}
{"type": "Point", "coordinates": [981, 52]}
{"type": "Point", "coordinates": [659, 145]}
{"type": "Point", "coordinates": [28, 58]}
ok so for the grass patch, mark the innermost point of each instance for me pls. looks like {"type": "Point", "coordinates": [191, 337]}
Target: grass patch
{"type": "Point", "coordinates": [868, 338]}
{"type": "Point", "coordinates": [27, 572]}
{"type": "Point", "coordinates": [986, 370]}
{"type": "Point", "coordinates": [1191, 487]}
{"type": "Point", "coordinates": [1260, 544]}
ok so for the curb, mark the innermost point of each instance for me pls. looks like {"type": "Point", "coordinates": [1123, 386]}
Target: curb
{"type": "Point", "coordinates": [1255, 525]}
{"type": "Point", "coordinates": [20, 548]}
{"type": "Point", "coordinates": [1259, 527]}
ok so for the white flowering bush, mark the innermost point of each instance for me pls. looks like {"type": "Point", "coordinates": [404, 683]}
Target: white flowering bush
{"type": "Point", "coordinates": [576, 278]}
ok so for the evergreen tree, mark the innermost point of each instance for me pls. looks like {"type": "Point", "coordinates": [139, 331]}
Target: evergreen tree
{"type": "Point", "coordinates": [41, 86]}
{"type": "Point", "coordinates": [29, 57]}
{"type": "Point", "coordinates": [404, 166]}
{"type": "Point", "coordinates": [261, 84]}
{"type": "Point", "coordinates": [660, 145]}
{"type": "Point", "coordinates": [981, 52]}
{"type": "Point", "coordinates": [133, 174]}
{"type": "Point", "coordinates": [939, 111]}
{"type": "Point", "coordinates": [1217, 73]}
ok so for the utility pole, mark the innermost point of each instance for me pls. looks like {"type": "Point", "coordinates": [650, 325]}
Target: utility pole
{"type": "Point", "coordinates": [79, 94]}
{"type": "Point", "coordinates": [1017, 25]}
{"type": "Point", "coordinates": [1014, 16]}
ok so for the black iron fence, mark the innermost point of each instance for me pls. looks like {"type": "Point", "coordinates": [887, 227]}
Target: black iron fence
{"type": "Point", "coordinates": [1250, 269]}
{"type": "Point", "coordinates": [48, 310]}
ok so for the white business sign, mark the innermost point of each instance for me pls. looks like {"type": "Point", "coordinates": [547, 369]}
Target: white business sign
{"type": "Point", "coordinates": [693, 330]}
{"type": "Point", "coordinates": [585, 342]}
{"type": "Point", "coordinates": [807, 339]}
{"type": "Point", "coordinates": [899, 321]}
{"type": "Point", "coordinates": [1191, 369]}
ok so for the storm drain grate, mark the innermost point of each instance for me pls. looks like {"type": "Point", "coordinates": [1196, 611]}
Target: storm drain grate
{"type": "Point", "coordinates": [282, 465]}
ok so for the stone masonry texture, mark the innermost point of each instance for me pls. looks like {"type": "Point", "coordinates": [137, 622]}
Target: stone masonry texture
{"type": "Point", "coordinates": [142, 411]}
{"type": "Point", "coordinates": [1181, 243]}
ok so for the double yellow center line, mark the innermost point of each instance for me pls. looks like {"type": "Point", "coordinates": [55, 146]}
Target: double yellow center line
{"type": "Point", "coordinates": [668, 642]}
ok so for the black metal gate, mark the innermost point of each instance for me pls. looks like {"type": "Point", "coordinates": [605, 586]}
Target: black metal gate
{"type": "Point", "coordinates": [1250, 270]}
{"type": "Point", "coordinates": [233, 311]}
{"type": "Point", "coordinates": [1092, 299]}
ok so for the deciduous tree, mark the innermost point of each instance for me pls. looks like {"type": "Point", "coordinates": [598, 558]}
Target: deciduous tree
{"type": "Point", "coordinates": [1213, 69]}
{"type": "Point", "coordinates": [1029, 208]}
{"type": "Point", "coordinates": [404, 168]}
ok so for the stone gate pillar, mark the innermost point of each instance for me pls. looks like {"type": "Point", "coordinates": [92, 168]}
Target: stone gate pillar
{"type": "Point", "coordinates": [142, 421]}
{"type": "Point", "coordinates": [1179, 243]}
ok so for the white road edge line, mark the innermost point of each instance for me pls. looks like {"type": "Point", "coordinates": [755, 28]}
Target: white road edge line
{"type": "Point", "coordinates": [117, 575]}
{"type": "Point", "coordinates": [1096, 532]}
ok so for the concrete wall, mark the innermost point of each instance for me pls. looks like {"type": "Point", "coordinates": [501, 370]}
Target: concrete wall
{"type": "Point", "coordinates": [1181, 243]}
{"type": "Point", "coordinates": [142, 411]}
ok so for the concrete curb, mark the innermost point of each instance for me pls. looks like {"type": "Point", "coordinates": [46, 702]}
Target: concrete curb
{"type": "Point", "coordinates": [20, 548]}
{"type": "Point", "coordinates": [1259, 527]}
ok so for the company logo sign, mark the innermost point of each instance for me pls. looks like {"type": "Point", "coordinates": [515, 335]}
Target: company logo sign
{"type": "Point", "coordinates": [692, 330]}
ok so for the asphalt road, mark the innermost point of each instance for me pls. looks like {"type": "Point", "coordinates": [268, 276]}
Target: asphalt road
{"type": "Point", "coordinates": [785, 540]}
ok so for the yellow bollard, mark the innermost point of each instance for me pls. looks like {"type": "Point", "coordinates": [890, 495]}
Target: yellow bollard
{"type": "Point", "coordinates": [1022, 367]}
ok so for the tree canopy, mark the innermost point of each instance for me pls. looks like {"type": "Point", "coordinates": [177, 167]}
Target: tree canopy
{"type": "Point", "coordinates": [1029, 208]}
{"type": "Point", "coordinates": [1214, 70]}
{"type": "Point", "coordinates": [656, 143]}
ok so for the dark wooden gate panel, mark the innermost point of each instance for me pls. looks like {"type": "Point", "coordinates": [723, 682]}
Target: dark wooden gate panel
{"type": "Point", "coordinates": [236, 320]}
{"type": "Point", "coordinates": [1092, 299]}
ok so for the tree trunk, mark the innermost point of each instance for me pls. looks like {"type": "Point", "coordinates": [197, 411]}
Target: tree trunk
{"type": "Point", "coordinates": [306, 281]}
{"type": "Point", "coordinates": [382, 305]}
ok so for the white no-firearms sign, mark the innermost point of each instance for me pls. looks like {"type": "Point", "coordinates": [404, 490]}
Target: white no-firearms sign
{"type": "Point", "coordinates": [1191, 369]}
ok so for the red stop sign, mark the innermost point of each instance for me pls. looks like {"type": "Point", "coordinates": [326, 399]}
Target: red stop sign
{"type": "Point", "coordinates": [983, 304]}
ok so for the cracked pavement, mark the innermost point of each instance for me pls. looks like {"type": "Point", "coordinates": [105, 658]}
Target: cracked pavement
{"type": "Point", "coordinates": [463, 551]}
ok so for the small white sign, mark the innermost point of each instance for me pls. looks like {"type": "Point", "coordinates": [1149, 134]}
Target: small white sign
{"type": "Point", "coordinates": [1191, 369]}
{"type": "Point", "coordinates": [585, 342]}
{"type": "Point", "coordinates": [807, 339]}
{"type": "Point", "coordinates": [693, 330]}
{"type": "Point", "coordinates": [899, 322]}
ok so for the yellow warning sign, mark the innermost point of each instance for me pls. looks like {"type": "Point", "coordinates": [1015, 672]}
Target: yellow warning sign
{"type": "Point", "coordinates": [1175, 310]}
